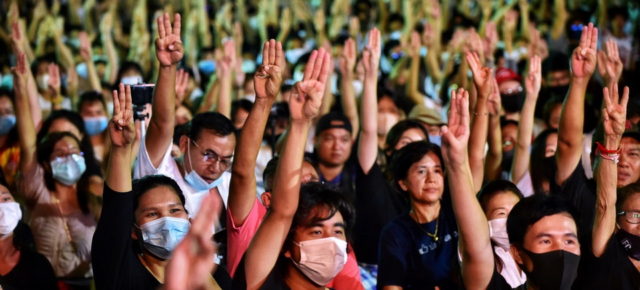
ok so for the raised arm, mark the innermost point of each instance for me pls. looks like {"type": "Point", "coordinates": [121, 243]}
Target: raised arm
{"type": "Point", "coordinates": [609, 63]}
{"type": "Point", "coordinates": [304, 105]}
{"type": "Point", "coordinates": [368, 144]}
{"type": "Point", "coordinates": [475, 244]}
{"type": "Point", "coordinates": [414, 69]}
{"type": "Point", "coordinates": [583, 64]}
{"type": "Point", "coordinates": [87, 56]}
{"type": "Point", "coordinates": [226, 67]}
{"type": "Point", "coordinates": [169, 52]}
{"type": "Point", "coordinates": [606, 173]}
{"type": "Point", "coordinates": [348, 96]}
{"type": "Point", "coordinates": [267, 84]}
{"type": "Point", "coordinates": [521, 156]}
{"type": "Point", "coordinates": [483, 79]}
{"type": "Point", "coordinates": [493, 161]}
{"type": "Point", "coordinates": [122, 133]}
{"type": "Point", "coordinates": [19, 45]}
{"type": "Point", "coordinates": [26, 128]}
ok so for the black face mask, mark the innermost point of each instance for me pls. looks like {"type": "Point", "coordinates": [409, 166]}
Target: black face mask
{"type": "Point", "coordinates": [630, 243]}
{"type": "Point", "coordinates": [553, 270]}
{"type": "Point", "coordinates": [512, 102]}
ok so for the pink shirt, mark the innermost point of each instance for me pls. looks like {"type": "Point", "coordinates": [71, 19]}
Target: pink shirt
{"type": "Point", "coordinates": [239, 238]}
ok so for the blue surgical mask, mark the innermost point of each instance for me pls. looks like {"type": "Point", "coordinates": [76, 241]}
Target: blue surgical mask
{"type": "Point", "coordinates": [248, 66]}
{"type": "Point", "coordinates": [207, 66]}
{"type": "Point", "coordinates": [95, 125]}
{"type": "Point", "coordinates": [68, 170]}
{"type": "Point", "coordinates": [7, 82]}
{"type": "Point", "coordinates": [81, 69]}
{"type": "Point", "coordinates": [7, 122]}
{"type": "Point", "coordinates": [194, 179]}
{"type": "Point", "coordinates": [131, 80]}
{"type": "Point", "coordinates": [435, 140]}
{"type": "Point", "coordinates": [161, 236]}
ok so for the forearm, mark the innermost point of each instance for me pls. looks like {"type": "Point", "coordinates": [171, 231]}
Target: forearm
{"type": "Point", "coordinates": [412, 84]}
{"type": "Point", "coordinates": [118, 173]}
{"type": "Point", "coordinates": [164, 98]}
{"type": "Point", "coordinates": [26, 129]}
{"type": "Point", "coordinates": [368, 144]}
{"type": "Point", "coordinates": [606, 180]}
{"type": "Point", "coordinates": [112, 56]}
{"type": "Point", "coordinates": [477, 141]}
{"type": "Point", "coordinates": [211, 97]}
{"type": "Point", "coordinates": [492, 166]}
{"type": "Point", "coordinates": [92, 73]}
{"type": "Point", "coordinates": [521, 154]}
{"type": "Point", "coordinates": [572, 117]}
{"type": "Point", "coordinates": [224, 101]}
{"type": "Point", "coordinates": [348, 99]}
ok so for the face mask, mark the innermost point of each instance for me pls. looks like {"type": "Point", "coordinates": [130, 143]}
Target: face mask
{"type": "Point", "coordinates": [74, 42]}
{"type": "Point", "coordinates": [207, 66]}
{"type": "Point", "coordinates": [68, 170]}
{"type": "Point", "coordinates": [437, 139]}
{"type": "Point", "coordinates": [161, 236]}
{"type": "Point", "coordinates": [385, 122]}
{"type": "Point", "coordinates": [559, 90]}
{"type": "Point", "coordinates": [7, 82]}
{"type": "Point", "coordinates": [95, 125]}
{"type": "Point", "coordinates": [358, 87]}
{"type": "Point", "coordinates": [630, 243]}
{"type": "Point", "coordinates": [194, 179]}
{"type": "Point", "coordinates": [131, 80]}
{"type": "Point", "coordinates": [553, 270]}
{"type": "Point", "coordinates": [81, 69]}
{"type": "Point", "coordinates": [7, 123]}
{"type": "Point", "coordinates": [10, 215]}
{"type": "Point", "coordinates": [43, 82]}
{"type": "Point", "coordinates": [293, 55]}
{"type": "Point", "coordinates": [513, 102]}
{"type": "Point", "coordinates": [322, 259]}
{"type": "Point", "coordinates": [248, 66]}
{"type": "Point", "coordinates": [498, 232]}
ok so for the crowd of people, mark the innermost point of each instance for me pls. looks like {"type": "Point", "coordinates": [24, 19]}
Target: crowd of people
{"type": "Point", "coordinates": [344, 144]}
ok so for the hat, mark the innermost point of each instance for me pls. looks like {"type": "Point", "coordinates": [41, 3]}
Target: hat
{"type": "Point", "coordinates": [426, 115]}
{"type": "Point", "coordinates": [504, 74]}
{"type": "Point", "coordinates": [333, 120]}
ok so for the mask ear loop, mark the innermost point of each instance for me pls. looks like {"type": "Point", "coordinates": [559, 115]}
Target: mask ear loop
{"type": "Point", "coordinates": [189, 154]}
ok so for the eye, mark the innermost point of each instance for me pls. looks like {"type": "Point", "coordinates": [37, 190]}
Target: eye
{"type": "Point", "coordinates": [151, 214]}
{"type": "Point", "coordinates": [316, 233]}
{"type": "Point", "coordinates": [175, 210]}
{"type": "Point", "coordinates": [339, 232]}
{"type": "Point", "coordinates": [545, 241]}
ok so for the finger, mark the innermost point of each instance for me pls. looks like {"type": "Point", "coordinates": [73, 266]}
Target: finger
{"type": "Point", "coordinates": [625, 98]}
{"type": "Point", "coordinates": [116, 104]}
{"type": "Point", "coordinates": [128, 105]}
{"type": "Point", "coordinates": [272, 51]}
{"type": "Point", "coordinates": [614, 50]}
{"type": "Point", "coordinates": [464, 110]}
{"type": "Point", "coordinates": [160, 22]}
{"type": "Point", "coordinates": [167, 24]}
{"type": "Point", "coordinates": [310, 64]}
{"type": "Point", "coordinates": [583, 37]}
{"type": "Point", "coordinates": [177, 25]}
{"type": "Point", "coordinates": [453, 110]}
{"type": "Point", "coordinates": [279, 55]}
{"type": "Point", "coordinates": [317, 66]}
{"type": "Point", "coordinates": [265, 53]}
{"type": "Point", "coordinates": [614, 94]}
{"type": "Point", "coordinates": [326, 69]}
{"type": "Point", "coordinates": [471, 61]}
{"type": "Point", "coordinates": [594, 37]}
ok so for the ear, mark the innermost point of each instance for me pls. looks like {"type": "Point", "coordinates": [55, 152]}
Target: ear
{"type": "Point", "coordinates": [134, 234]}
{"type": "Point", "coordinates": [265, 197]}
{"type": "Point", "coordinates": [403, 185]}
{"type": "Point", "coordinates": [515, 253]}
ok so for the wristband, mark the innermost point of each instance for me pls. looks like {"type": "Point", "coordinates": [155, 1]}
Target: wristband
{"type": "Point", "coordinates": [612, 157]}
{"type": "Point", "coordinates": [604, 150]}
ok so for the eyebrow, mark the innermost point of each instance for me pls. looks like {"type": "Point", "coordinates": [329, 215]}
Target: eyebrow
{"type": "Point", "coordinates": [319, 224]}
{"type": "Point", "coordinates": [547, 235]}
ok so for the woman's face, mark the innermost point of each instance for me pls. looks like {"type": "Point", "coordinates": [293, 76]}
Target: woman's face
{"type": "Point", "coordinates": [425, 180]}
{"type": "Point", "coordinates": [5, 195]}
{"type": "Point", "coordinates": [65, 147]}
{"type": "Point", "coordinates": [409, 136]}
{"type": "Point", "coordinates": [159, 202]}
{"type": "Point", "coordinates": [500, 205]}
{"type": "Point", "coordinates": [64, 125]}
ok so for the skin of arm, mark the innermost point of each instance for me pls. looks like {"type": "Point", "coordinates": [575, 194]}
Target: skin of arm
{"type": "Point", "coordinates": [492, 165]}
{"type": "Point", "coordinates": [169, 52]}
{"type": "Point", "coordinates": [559, 19]}
{"type": "Point", "coordinates": [122, 133]}
{"type": "Point", "coordinates": [87, 56]}
{"type": "Point", "coordinates": [109, 47]}
{"type": "Point", "coordinates": [267, 86]}
{"type": "Point", "coordinates": [521, 156]}
{"type": "Point", "coordinates": [26, 128]}
{"type": "Point", "coordinates": [583, 62]}
{"type": "Point", "coordinates": [368, 144]}
{"type": "Point", "coordinates": [304, 106]}
{"type": "Point", "coordinates": [484, 82]}
{"type": "Point", "coordinates": [225, 71]}
{"type": "Point", "coordinates": [414, 70]}
{"type": "Point", "coordinates": [475, 243]}
{"type": "Point", "coordinates": [606, 173]}
{"type": "Point", "coordinates": [18, 43]}
{"type": "Point", "coordinates": [348, 98]}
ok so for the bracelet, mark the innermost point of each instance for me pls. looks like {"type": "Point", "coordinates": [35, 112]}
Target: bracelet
{"type": "Point", "coordinates": [612, 157]}
{"type": "Point", "coordinates": [604, 150]}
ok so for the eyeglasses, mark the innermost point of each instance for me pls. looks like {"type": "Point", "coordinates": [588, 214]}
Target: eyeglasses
{"type": "Point", "coordinates": [210, 156]}
{"type": "Point", "coordinates": [632, 216]}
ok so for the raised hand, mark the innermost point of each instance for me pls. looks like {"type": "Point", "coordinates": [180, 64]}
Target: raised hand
{"type": "Point", "coordinates": [482, 75]}
{"type": "Point", "coordinates": [54, 78]}
{"type": "Point", "coordinates": [583, 59]}
{"type": "Point", "coordinates": [494, 102]}
{"type": "Point", "coordinates": [455, 135]}
{"type": "Point", "coordinates": [169, 48]}
{"type": "Point", "coordinates": [609, 63]}
{"type": "Point", "coordinates": [534, 78]}
{"type": "Point", "coordinates": [85, 46]}
{"type": "Point", "coordinates": [121, 128]}
{"type": "Point", "coordinates": [348, 57]}
{"type": "Point", "coordinates": [305, 102]}
{"type": "Point", "coordinates": [414, 44]}
{"type": "Point", "coordinates": [16, 37]}
{"type": "Point", "coordinates": [371, 54]}
{"type": "Point", "coordinates": [20, 76]}
{"type": "Point", "coordinates": [227, 62]}
{"type": "Point", "coordinates": [490, 40]}
{"type": "Point", "coordinates": [191, 263]}
{"type": "Point", "coordinates": [182, 82]}
{"type": "Point", "coordinates": [615, 111]}
{"type": "Point", "coordinates": [268, 77]}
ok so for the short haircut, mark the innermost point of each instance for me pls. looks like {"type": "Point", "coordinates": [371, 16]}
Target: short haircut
{"type": "Point", "coordinates": [402, 160]}
{"type": "Point", "coordinates": [91, 97]}
{"type": "Point", "coordinates": [625, 193]}
{"type": "Point", "coordinates": [210, 121]}
{"type": "Point", "coordinates": [532, 209]}
{"type": "Point", "coordinates": [142, 185]}
{"type": "Point", "coordinates": [494, 187]}
{"type": "Point", "coordinates": [269, 172]}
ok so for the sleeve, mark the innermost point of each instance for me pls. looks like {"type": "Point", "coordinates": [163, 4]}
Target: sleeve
{"type": "Point", "coordinates": [239, 236]}
{"type": "Point", "coordinates": [46, 277]}
{"type": "Point", "coordinates": [31, 184]}
{"type": "Point", "coordinates": [394, 264]}
{"type": "Point", "coordinates": [580, 192]}
{"type": "Point", "coordinates": [112, 239]}
{"type": "Point", "coordinates": [144, 166]}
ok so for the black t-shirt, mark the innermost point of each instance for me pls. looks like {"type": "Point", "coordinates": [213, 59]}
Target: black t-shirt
{"type": "Point", "coordinates": [115, 261]}
{"type": "Point", "coordinates": [581, 193]}
{"type": "Point", "coordinates": [499, 283]}
{"type": "Point", "coordinates": [413, 260]}
{"type": "Point", "coordinates": [33, 271]}
{"type": "Point", "coordinates": [275, 280]}
{"type": "Point", "coordinates": [377, 203]}
{"type": "Point", "coordinates": [613, 270]}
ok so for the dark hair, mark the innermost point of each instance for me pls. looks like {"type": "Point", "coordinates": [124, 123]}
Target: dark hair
{"type": "Point", "coordinates": [91, 97]}
{"type": "Point", "coordinates": [541, 168]}
{"type": "Point", "coordinates": [142, 185]}
{"type": "Point", "coordinates": [494, 187]}
{"type": "Point", "coordinates": [210, 121]}
{"type": "Point", "coordinates": [314, 195]}
{"type": "Point", "coordinates": [269, 172]}
{"type": "Point", "coordinates": [12, 135]}
{"type": "Point", "coordinates": [556, 61]}
{"type": "Point", "coordinates": [402, 160]}
{"type": "Point", "coordinates": [625, 193]}
{"type": "Point", "coordinates": [549, 105]}
{"type": "Point", "coordinates": [395, 133]}
{"type": "Point", "coordinates": [532, 209]}
{"type": "Point", "coordinates": [43, 154]}
{"type": "Point", "coordinates": [125, 66]}
{"type": "Point", "coordinates": [243, 104]}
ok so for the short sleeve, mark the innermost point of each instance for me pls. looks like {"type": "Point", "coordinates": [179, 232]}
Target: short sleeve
{"type": "Point", "coordinates": [239, 236]}
{"type": "Point", "coordinates": [144, 166]}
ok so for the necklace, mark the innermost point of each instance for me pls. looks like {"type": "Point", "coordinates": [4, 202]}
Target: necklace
{"type": "Point", "coordinates": [434, 236]}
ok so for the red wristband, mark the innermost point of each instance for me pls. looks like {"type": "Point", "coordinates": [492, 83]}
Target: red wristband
{"type": "Point", "coordinates": [604, 150]}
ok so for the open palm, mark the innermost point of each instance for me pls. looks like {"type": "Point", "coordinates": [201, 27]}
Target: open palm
{"type": "Point", "coordinates": [455, 135]}
{"type": "Point", "coordinates": [615, 111]}
{"type": "Point", "coordinates": [583, 59]}
{"type": "Point", "coordinates": [121, 129]}
{"type": "Point", "coordinates": [169, 48]}
{"type": "Point", "coordinates": [268, 78]}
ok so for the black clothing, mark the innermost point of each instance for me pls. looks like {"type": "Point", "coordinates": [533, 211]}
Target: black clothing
{"type": "Point", "coordinates": [499, 283]}
{"type": "Point", "coordinates": [613, 270]}
{"type": "Point", "coordinates": [33, 271]}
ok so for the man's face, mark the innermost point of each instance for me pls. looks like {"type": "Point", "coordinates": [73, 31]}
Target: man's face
{"type": "Point", "coordinates": [558, 78]}
{"type": "Point", "coordinates": [210, 155]}
{"type": "Point", "coordinates": [333, 146]}
{"type": "Point", "coordinates": [629, 165]}
{"type": "Point", "coordinates": [550, 233]}
{"type": "Point", "coordinates": [509, 135]}
{"type": "Point", "coordinates": [93, 109]}
{"type": "Point", "coordinates": [332, 227]}
{"type": "Point", "coordinates": [632, 208]}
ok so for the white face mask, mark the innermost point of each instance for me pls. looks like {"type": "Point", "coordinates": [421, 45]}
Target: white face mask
{"type": "Point", "coordinates": [498, 232]}
{"type": "Point", "coordinates": [43, 81]}
{"type": "Point", "coordinates": [10, 215]}
{"type": "Point", "coordinates": [131, 80]}
{"type": "Point", "coordinates": [322, 259]}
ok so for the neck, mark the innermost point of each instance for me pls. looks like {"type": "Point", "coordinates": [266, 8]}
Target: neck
{"type": "Point", "coordinates": [330, 172]}
{"type": "Point", "coordinates": [66, 194]}
{"type": "Point", "coordinates": [6, 246]}
{"type": "Point", "coordinates": [154, 266]}
{"type": "Point", "coordinates": [425, 212]}
{"type": "Point", "coordinates": [296, 280]}
{"type": "Point", "coordinates": [381, 141]}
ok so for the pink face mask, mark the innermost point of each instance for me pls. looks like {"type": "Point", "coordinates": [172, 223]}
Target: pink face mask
{"type": "Point", "coordinates": [322, 259]}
